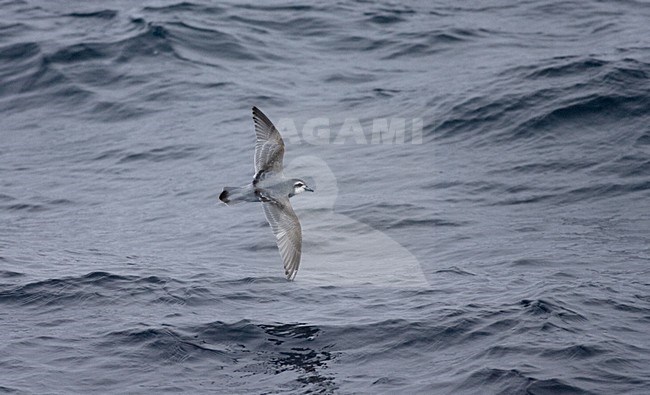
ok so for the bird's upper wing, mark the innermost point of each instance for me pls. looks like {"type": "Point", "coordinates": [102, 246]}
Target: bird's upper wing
{"type": "Point", "coordinates": [269, 147]}
{"type": "Point", "coordinates": [287, 231]}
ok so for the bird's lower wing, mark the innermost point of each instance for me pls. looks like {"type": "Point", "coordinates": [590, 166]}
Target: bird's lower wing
{"type": "Point", "coordinates": [287, 231]}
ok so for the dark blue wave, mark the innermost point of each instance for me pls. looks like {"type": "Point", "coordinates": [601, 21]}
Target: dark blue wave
{"type": "Point", "coordinates": [71, 290]}
{"type": "Point", "coordinates": [615, 91]}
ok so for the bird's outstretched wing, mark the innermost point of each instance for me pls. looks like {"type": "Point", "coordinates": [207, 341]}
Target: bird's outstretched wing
{"type": "Point", "coordinates": [287, 231]}
{"type": "Point", "coordinates": [269, 147]}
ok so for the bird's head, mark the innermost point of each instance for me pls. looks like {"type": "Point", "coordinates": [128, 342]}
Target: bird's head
{"type": "Point", "coordinates": [300, 186]}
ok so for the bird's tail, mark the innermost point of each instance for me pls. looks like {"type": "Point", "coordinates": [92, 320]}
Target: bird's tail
{"type": "Point", "coordinates": [234, 195]}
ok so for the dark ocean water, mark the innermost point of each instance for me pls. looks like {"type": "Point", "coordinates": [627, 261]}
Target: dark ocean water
{"type": "Point", "coordinates": [507, 252]}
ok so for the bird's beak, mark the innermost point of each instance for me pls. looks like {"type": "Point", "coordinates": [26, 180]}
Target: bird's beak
{"type": "Point", "coordinates": [309, 189]}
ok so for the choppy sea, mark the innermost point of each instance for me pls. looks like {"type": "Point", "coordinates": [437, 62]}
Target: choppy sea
{"type": "Point", "coordinates": [501, 247]}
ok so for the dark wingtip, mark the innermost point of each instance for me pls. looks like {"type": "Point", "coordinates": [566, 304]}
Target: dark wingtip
{"type": "Point", "coordinates": [224, 196]}
{"type": "Point", "coordinates": [259, 115]}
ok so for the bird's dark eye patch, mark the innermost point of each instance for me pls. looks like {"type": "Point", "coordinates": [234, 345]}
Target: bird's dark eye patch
{"type": "Point", "coordinates": [298, 184]}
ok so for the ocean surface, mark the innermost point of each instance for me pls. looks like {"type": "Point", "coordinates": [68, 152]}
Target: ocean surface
{"type": "Point", "coordinates": [503, 247]}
